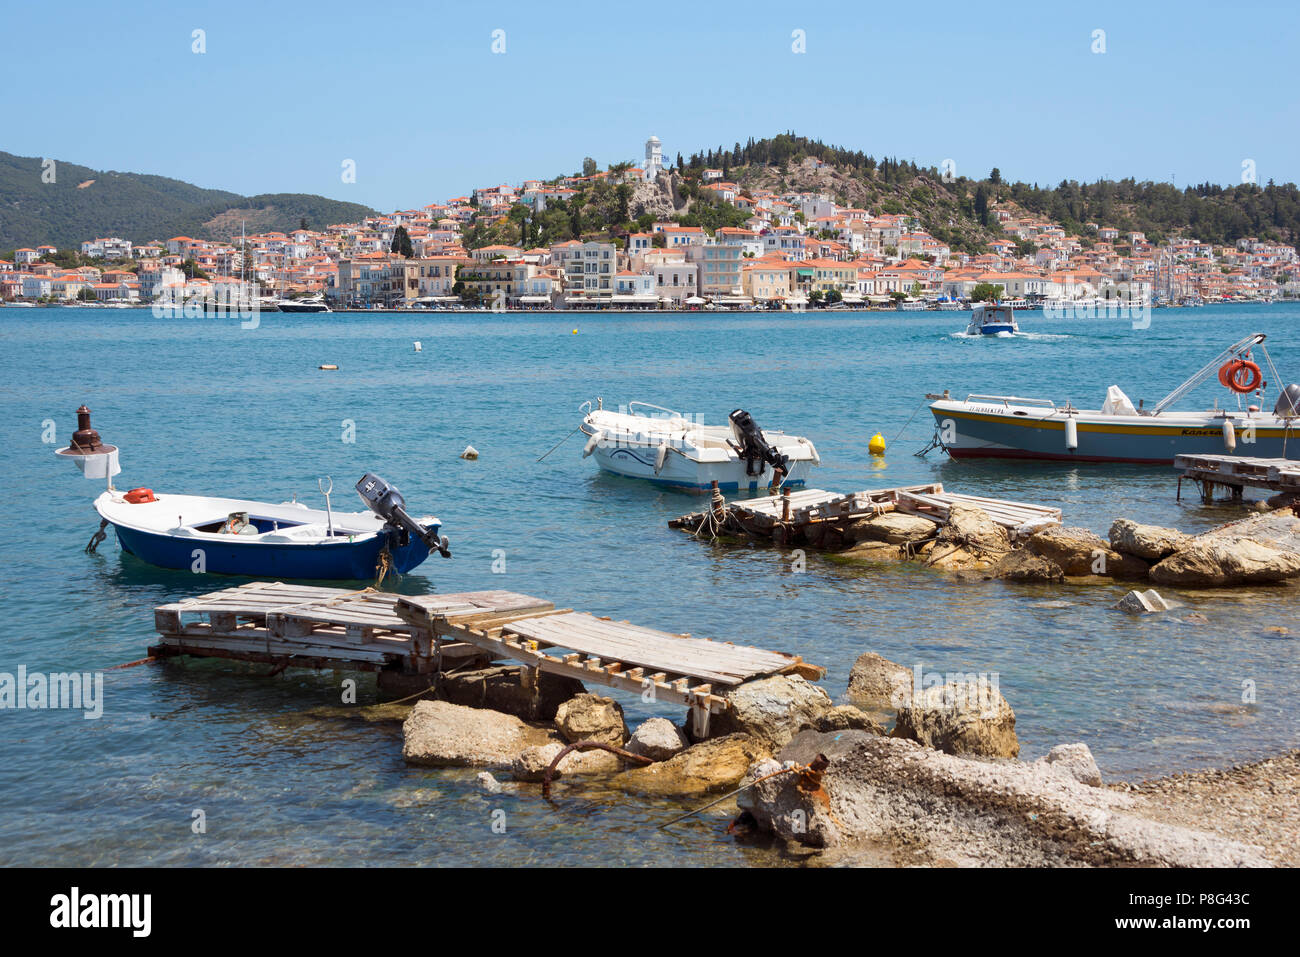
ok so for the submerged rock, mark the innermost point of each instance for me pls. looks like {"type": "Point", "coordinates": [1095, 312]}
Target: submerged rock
{"type": "Point", "coordinates": [773, 708]}
{"type": "Point", "coordinates": [441, 734]}
{"type": "Point", "coordinates": [531, 763]}
{"type": "Point", "coordinates": [878, 683]}
{"type": "Point", "coordinates": [961, 717]}
{"type": "Point", "coordinates": [713, 765]}
{"type": "Point", "coordinates": [589, 717]}
{"type": "Point", "coordinates": [873, 552]}
{"type": "Point", "coordinates": [488, 783]}
{"type": "Point", "coordinates": [1148, 542]}
{"type": "Point", "coordinates": [658, 739]}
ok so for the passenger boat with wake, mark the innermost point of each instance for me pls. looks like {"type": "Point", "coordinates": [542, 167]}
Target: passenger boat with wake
{"type": "Point", "coordinates": [662, 446]}
{"type": "Point", "coordinates": [992, 319]}
{"type": "Point", "coordinates": [1004, 426]}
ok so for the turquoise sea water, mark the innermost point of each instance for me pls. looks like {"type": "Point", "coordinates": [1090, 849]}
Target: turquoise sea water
{"type": "Point", "coordinates": [286, 775]}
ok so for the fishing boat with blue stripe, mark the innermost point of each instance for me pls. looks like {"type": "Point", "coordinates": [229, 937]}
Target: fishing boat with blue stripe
{"type": "Point", "coordinates": [232, 536]}
{"type": "Point", "coordinates": [1013, 427]}
{"type": "Point", "coordinates": [659, 445]}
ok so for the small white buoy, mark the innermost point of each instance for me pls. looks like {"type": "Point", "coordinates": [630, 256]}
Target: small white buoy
{"type": "Point", "coordinates": [418, 345]}
{"type": "Point", "coordinates": [1071, 434]}
{"type": "Point", "coordinates": [592, 443]}
{"type": "Point", "coordinates": [1229, 435]}
{"type": "Point", "coordinates": [660, 457]}
{"type": "Point", "coordinates": [469, 453]}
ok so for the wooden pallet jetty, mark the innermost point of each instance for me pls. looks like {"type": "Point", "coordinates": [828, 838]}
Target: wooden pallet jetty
{"type": "Point", "coordinates": [305, 626]}
{"type": "Point", "coordinates": [1237, 473]}
{"type": "Point", "coordinates": [783, 516]}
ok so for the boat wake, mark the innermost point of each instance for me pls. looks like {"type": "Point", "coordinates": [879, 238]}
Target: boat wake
{"type": "Point", "coordinates": [1032, 336]}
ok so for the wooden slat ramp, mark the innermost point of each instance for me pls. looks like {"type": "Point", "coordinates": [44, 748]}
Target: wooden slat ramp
{"type": "Point", "coordinates": [306, 626]}
{"type": "Point", "coordinates": [617, 654]}
{"type": "Point", "coordinates": [1238, 472]}
{"type": "Point", "coordinates": [309, 626]}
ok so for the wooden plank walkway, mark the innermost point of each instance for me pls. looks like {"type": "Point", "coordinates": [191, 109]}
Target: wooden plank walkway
{"type": "Point", "coordinates": [306, 626]}
{"type": "Point", "coordinates": [317, 627]}
{"type": "Point", "coordinates": [666, 666]}
{"type": "Point", "coordinates": [1238, 472]}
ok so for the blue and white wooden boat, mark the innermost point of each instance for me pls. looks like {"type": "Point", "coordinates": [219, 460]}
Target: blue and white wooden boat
{"type": "Point", "coordinates": [227, 536]}
{"type": "Point", "coordinates": [1012, 427]}
{"type": "Point", "coordinates": [230, 536]}
{"type": "Point", "coordinates": [664, 447]}
{"type": "Point", "coordinates": [992, 319]}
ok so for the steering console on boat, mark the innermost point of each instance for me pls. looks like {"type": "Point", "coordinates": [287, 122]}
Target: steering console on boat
{"type": "Point", "coordinates": [387, 502]}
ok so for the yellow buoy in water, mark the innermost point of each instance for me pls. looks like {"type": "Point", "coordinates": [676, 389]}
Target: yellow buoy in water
{"type": "Point", "coordinates": [575, 332]}
{"type": "Point", "coordinates": [877, 444]}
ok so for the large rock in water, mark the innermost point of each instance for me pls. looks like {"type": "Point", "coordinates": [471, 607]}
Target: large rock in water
{"type": "Point", "coordinates": [895, 528]}
{"type": "Point", "coordinates": [1215, 561]}
{"type": "Point", "coordinates": [1019, 565]}
{"type": "Point", "coordinates": [657, 739]}
{"type": "Point", "coordinates": [1080, 552]}
{"type": "Point", "coordinates": [969, 539]}
{"type": "Point", "coordinates": [589, 717]}
{"type": "Point", "coordinates": [531, 763]}
{"type": "Point", "coordinates": [879, 684]}
{"type": "Point", "coordinates": [961, 717]}
{"type": "Point", "coordinates": [1148, 542]}
{"type": "Point", "coordinates": [499, 688]}
{"type": "Point", "coordinates": [713, 765]}
{"type": "Point", "coordinates": [773, 709]}
{"type": "Point", "coordinates": [441, 734]}
{"type": "Point", "coordinates": [940, 809]}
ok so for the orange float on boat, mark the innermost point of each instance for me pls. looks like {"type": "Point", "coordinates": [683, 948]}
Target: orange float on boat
{"type": "Point", "coordinates": [1230, 375]}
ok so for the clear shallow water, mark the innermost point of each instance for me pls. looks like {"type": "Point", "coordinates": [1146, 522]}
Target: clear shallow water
{"type": "Point", "coordinates": [286, 776]}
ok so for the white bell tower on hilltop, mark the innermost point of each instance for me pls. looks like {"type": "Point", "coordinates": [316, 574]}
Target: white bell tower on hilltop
{"type": "Point", "coordinates": [654, 158]}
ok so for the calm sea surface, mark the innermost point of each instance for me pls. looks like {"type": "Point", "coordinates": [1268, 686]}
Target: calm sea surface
{"type": "Point", "coordinates": [287, 775]}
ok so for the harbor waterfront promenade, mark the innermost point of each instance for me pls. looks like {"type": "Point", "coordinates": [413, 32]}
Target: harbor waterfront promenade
{"type": "Point", "coordinates": [305, 767]}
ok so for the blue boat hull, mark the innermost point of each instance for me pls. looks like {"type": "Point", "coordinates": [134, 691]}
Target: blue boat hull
{"type": "Point", "coordinates": [352, 561]}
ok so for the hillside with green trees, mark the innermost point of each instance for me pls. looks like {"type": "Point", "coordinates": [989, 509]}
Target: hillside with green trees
{"type": "Point", "coordinates": [957, 210]}
{"type": "Point", "coordinates": [1206, 211]}
{"type": "Point", "coordinates": [83, 203]}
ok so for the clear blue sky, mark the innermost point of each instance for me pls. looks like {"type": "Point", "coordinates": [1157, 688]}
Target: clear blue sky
{"type": "Point", "coordinates": [413, 93]}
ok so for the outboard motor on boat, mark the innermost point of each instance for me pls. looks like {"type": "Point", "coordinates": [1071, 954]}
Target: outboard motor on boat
{"type": "Point", "coordinates": [1288, 403]}
{"type": "Point", "coordinates": [751, 445]}
{"type": "Point", "coordinates": [387, 502]}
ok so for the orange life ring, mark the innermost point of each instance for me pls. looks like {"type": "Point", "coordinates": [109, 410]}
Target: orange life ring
{"type": "Point", "coordinates": [138, 496]}
{"type": "Point", "coordinates": [1230, 375]}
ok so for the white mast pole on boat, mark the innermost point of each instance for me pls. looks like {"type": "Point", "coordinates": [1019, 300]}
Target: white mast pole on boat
{"type": "Point", "coordinates": [1209, 370]}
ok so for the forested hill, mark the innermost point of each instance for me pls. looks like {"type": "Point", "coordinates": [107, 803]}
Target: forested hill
{"type": "Point", "coordinates": [83, 203]}
{"type": "Point", "coordinates": [1209, 212]}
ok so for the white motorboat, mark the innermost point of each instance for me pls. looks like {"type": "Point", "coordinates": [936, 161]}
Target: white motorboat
{"type": "Point", "coordinates": [1004, 426]}
{"type": "Point", "coordinates": [230, 536]}
{"type": "Point", "coordinates": [992, 319]}
{"type": "Point", "coordinates": [650, 442]}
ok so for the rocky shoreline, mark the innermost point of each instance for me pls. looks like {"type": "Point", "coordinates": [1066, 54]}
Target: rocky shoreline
{"type": "Point", "coordinates": [1260, 549]}
{"type": "Point", "coordinates": [943, 786]}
